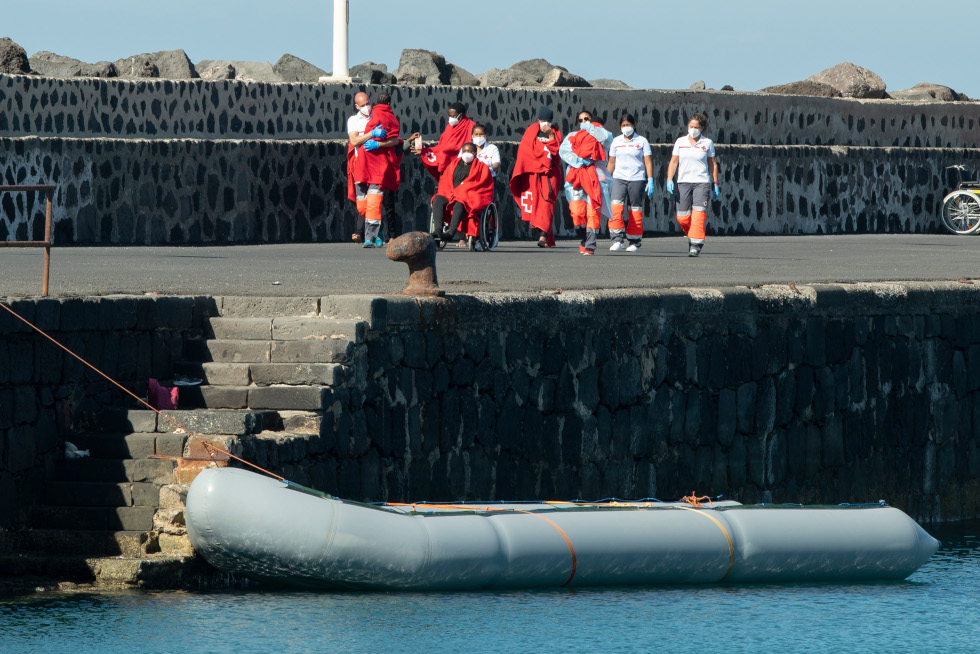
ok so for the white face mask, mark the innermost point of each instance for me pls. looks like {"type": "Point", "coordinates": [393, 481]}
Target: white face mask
{"type": "Point", "coordinates": [467, 157]}
{"type": "Point", "coordinates": [584, 125]}
{"type": "Point", "coordinates": [479, 141]}
{"type": "Point", "coordinates": [454, 120]}
{"type": "Point", "coordinates": [544, 124]}
{"type": "Point", "coordinates": [693, 132]}
{"type": "Point", "coordinates": [628, 131]}
{"type": "Point", "coordinates": [365, 110]}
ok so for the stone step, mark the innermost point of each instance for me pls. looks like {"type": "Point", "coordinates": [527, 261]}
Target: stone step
{"type": "Point", "coordinates": [318, 329]}
{"type": "Point", "coordinates": [286, 328]}
{"type": "Point", "coordinates": [213, 421]}
{"type": "Point", "coordinates": [328, 350]}
{"type": "Point", "coordinates": [130, 446]}
{"type": "Point", "coordinates": [126, 421]}
{"type": "Point", "coordinates": [214, 397]}
{"type": "Point", "coordinates": [86, 542]}
{"type": "Point", "coordinates": [227, 351]}
{"type": "Point", "coordinates": [262, 374]}
{"type": "Point", "coordinates": [290, 398]}
{"type": "Point", "coordinates": [97, 518]}
{"type": "Point", "coordinates": [156, 471]}
{"type": "Point", "coordinates": [80, 493]}
{"type": "Point", "coordinates": [153, 571]}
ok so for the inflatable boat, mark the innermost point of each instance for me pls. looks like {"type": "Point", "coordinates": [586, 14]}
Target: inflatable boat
{"type": "Point", "coordinates": [275, 531]}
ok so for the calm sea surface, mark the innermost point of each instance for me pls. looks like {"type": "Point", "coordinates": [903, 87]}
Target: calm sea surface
{"type": "Point", "coordinates": [935, 610]}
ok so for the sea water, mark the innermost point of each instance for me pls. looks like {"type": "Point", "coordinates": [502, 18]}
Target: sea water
{"type": "Point", "coordinates": [936, 610]}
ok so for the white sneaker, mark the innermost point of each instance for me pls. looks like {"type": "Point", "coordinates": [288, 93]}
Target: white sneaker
{"type": "Point", "coordinates": [633, 247]}
{"type": "Point", "coordinates": [617, 246]}
{"type": "Point", "coordinates": [694, 252]}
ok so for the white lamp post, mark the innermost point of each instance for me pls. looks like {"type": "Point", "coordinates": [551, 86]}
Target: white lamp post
{"type": "Point", "coordinates": [341, 69]}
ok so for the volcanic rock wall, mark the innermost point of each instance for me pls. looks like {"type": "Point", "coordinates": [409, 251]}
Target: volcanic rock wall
{"type": "Point", "coordinates": [169, 162]}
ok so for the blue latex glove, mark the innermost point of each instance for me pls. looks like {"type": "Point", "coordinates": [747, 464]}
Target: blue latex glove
{"type": "Point", "coordinates": [716, 191]}
{"type": "Point", "coordinates": [371, 145]}
{"type": "Point", "coordinates": [649, 187]}
{"type": "Point", "coordinates": [379, 132]}
{"type": "Point", "coordinates": [587, 162]}
{"type": "Point", "coordinates": [671, 187]}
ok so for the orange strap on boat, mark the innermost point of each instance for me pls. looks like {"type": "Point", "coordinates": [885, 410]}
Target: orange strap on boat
{"type": "Point", "coordinates": [208, 445]}
{"type": "Point", "coordinates": [568, 541]}
{"type": "Point", "coordinates": [731, 544]}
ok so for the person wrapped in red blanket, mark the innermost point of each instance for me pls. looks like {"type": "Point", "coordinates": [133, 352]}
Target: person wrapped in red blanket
{"type": "Point", "coordinates": [537, 176]}
{"type": "Point", "coordinates": [585, 182]}
{"type": "Point", "coordinates": [458, 131]}
{"type": "Point", "coordinates": [377, 167]}
{"type": "Point", "coordinates": [465, 190]}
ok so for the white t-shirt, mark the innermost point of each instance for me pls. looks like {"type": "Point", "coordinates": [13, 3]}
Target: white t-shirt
{"type": "Point", "coordinates": [489, 155]}
{"type": "Point", "coordinates": [629, 157]}
{"type": "Point", "coordinates": [357, 123]}
{"type": "Point", "coordinates": [692, 164]}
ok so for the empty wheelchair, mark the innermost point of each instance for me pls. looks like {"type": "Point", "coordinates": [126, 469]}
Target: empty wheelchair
{"type": "Point", "coordinates": [961, 208]}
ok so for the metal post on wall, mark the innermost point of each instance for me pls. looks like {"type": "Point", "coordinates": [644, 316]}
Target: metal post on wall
{"type": "Point", "coordinates": [48, 190]}
{"type": "Point", "coordinates": [341, 24]}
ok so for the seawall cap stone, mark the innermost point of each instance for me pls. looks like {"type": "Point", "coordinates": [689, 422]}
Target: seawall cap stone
{"type": "Point", "coordinates": [373, 73]}
{"type": "Point", "coordinates": [605, 83]}
{"type": "Point", "coordinates": [852, 81]}
{"type": "Point", "coordinates": [290, 68]}
{"type": "Point", "coordinates": [806, 87]}
{"type": "Point", "coordinates": [430, 64]}
{"type": "Point", "coordinates": [169, 64]}
{"type": "Point", "coordinates": [13, 58]}
{"type": "Point", "coordinates": [507, 78]}
{"type": "Point", "coordinates": [50, 64]}
{"type": "Point", "coordinates": [926, 92]}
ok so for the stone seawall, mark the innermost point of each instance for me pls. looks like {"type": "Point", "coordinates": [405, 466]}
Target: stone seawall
{"type": "Point", "coordinates": [46, 395]}
{"type": "Point", "coordinates": [814, 394]}
{"type": "Point", "coordinates": [98, 108]}
{"type": "Point", "coordinates": [154, 192]}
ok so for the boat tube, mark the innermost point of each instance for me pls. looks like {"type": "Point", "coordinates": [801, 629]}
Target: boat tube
{"type": "Point", "coordinates": [278, 532]}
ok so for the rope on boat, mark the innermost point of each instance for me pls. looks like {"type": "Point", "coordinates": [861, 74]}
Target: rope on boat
{"type": "Point", "coordinates": [209, 446]}
{"type": "Point", "coordinates": [728, 537]}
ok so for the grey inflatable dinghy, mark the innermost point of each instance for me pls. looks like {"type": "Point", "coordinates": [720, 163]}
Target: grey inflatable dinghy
{"type": "Point", "coordinates": [274, 531]}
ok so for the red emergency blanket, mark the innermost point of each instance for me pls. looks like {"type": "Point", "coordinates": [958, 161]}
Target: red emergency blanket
{"type": "Point", "coordinates": [475, 192]}
{"type": "Point", "coordinates": [437, 158]}
{"type": "Point", "coordinates": [586, 146]}
{"type": "Point", "coordinates": [381, 166]}
{"type": "Point", "coordinates": [537, 178]}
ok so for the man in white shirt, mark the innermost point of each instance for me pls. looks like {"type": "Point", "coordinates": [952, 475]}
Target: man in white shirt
{"type": "Point", "coordinates": [356, 139]}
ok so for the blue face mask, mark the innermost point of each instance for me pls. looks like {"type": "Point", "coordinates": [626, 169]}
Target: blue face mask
{"type": "Point", "coordinates": [585, 125]}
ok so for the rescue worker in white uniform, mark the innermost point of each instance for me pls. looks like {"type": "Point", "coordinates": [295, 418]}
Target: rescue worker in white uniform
{"type": "Point", "coordinates": [693, 159]}
{"type": "Point", "coordinates": [631, 164]}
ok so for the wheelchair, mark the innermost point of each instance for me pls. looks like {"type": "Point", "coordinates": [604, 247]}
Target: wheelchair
{"type": "Point", "coordinates": [488, 231]}
{"type": "Point", "coordinates": [961, 208]}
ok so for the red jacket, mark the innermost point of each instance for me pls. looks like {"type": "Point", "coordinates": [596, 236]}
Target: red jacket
{"type": "Point", "coordinates": [437, 158]}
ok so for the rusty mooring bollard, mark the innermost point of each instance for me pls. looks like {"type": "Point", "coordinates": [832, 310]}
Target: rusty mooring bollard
{"type": "Point", "coordinates": [418, 250]}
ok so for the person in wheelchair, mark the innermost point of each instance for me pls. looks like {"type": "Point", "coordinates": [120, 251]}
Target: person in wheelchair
{"type": "Point", "coordinates": [465, 190]}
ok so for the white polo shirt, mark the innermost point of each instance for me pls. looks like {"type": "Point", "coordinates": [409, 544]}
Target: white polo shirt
{"type": "Point", "coordinates": [357, 123]}
{"type": "Point", "coordinates": [692, 164]}
{"type": "Point", "coordinates": [489, 155]}
{"type": "Point", "coordinates": [629, 157]}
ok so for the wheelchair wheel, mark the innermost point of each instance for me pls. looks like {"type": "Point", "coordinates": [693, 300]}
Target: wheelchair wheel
{"type": "Point", "coordinates": [440, 244]}
{"type": "Point", "coordinates": [489, 228]}
{"type": "Point", "coordinates": [961, 212]}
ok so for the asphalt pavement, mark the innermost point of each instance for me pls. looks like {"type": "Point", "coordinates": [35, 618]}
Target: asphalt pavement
{"type": "Point", "coordinates": [342, 268]}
